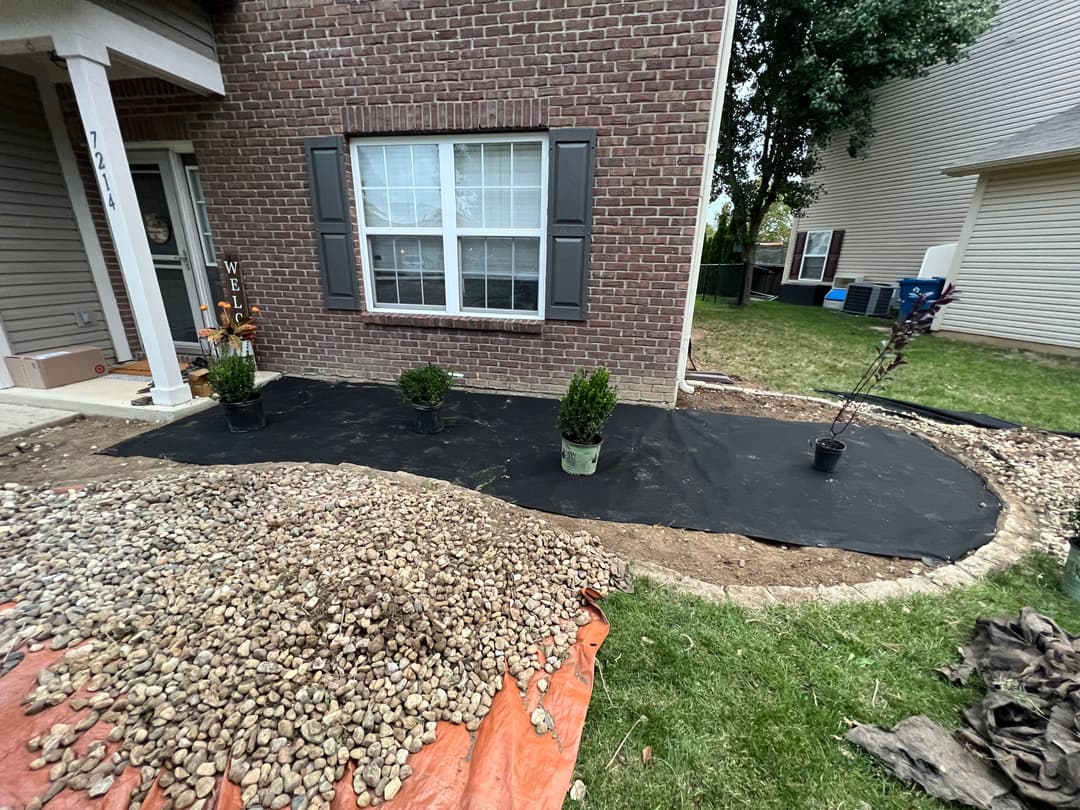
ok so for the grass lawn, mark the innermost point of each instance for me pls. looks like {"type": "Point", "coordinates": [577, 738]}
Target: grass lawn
{"type": "Point", "coordinates": [797, 349]}
{"type": "Point", "coordinates": [748, 710]}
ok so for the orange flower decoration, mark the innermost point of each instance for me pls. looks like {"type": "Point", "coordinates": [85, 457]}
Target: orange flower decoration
{"type": "Point", "coordinates": [256, 310]}
{"type": "Point", "coordinates": [203, 307]}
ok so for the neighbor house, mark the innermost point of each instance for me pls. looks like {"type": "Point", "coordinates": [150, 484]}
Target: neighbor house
{"type": "Point", "coordinates": [513, 189]}
{"type": "Point", "coordinates": [984, 155]}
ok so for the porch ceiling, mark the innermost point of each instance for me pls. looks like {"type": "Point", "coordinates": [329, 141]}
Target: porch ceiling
{"type": "Point", "coordinates": [30, 29]}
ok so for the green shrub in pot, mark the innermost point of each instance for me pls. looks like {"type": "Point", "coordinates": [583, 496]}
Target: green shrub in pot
{"type": "Point", "coordinates": [589, 402]}
{"type": "Point", "coordinates": [424, 388]}
{"type": "Point", "coordinates": [233, 379]}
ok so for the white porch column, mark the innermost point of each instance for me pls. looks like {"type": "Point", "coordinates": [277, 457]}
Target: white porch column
{"type": "Point", "coordinates": [91, 85]}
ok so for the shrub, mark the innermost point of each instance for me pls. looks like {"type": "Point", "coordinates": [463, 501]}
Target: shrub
{"type": "Point", "coordinates": [426, 385]}
{"type": "Point", "coordinates": [588, 403]}
{"type": "Point", "coordinates": [233, 378]}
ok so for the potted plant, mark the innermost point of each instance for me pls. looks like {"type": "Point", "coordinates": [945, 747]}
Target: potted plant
{"type": "Point", "coordinates": [424, 388]}
{"type": "Point", "coordinates": [1071, 582]}
{"type": "Point", "coordinates": [588, 403]}
{"type": "Point", "coordinates": [828, 450]}
{"type": "Point", "coordinates": [233, 379]}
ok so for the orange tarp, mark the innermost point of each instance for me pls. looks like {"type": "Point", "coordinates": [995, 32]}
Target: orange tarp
{"type": "Point", "coordinates": [505, 765]}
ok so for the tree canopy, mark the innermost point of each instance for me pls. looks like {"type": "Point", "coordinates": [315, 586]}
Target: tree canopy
{"type": "Point", "coordinates": [804, 71]}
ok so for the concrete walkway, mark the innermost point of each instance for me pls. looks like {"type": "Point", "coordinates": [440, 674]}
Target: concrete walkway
{"type": "Point", "coordinates": [16, 420]}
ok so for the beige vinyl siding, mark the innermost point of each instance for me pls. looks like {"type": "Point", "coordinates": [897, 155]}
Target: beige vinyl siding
{"type": "Point", "coordinates": [185, 22]}
{"type": "Point", "coordinates": [895, 203]}
{"type": "Point", "coordinates": [45, 279]}
{"type": "Point", "coordinates": [1019, 277]}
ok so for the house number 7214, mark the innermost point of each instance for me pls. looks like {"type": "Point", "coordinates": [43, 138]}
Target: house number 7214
{"type": "Point", "coordinates": [99, 167]}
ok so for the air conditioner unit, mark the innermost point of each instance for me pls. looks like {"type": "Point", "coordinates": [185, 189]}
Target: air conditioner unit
{"type": "Point", "coordinates": [869, 299]}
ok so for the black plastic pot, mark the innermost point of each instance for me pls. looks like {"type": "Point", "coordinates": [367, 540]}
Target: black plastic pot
{"type": "Point", "coordinates": [827, 453]}
{"type": "Point", "coordinates": [244, 417]}
{"type": "Point", "coordinates": [428, 418]}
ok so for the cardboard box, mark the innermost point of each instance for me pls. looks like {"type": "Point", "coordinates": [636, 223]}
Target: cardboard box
{"type": "Point", "coordinates": [56, 367]}
{"type": "Point", "coordinates": [199, 382]}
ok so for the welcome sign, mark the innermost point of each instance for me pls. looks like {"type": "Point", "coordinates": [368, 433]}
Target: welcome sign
{"type": "Point", "coordinates": [234, 289]}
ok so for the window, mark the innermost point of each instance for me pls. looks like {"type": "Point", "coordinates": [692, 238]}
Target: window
{"type": "Point", "coordinates": [453, 224]}
{"type": "Point", "coordinates": [815, 254]}
{"type": "Point", "coordinates": [198, 201]}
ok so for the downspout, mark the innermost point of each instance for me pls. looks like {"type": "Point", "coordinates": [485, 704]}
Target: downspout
{"type": "Point", "coordinates": [704, 198]}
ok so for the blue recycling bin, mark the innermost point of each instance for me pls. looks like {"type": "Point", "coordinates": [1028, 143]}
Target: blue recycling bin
{"type": "Point", "coordinates": [912, 288]}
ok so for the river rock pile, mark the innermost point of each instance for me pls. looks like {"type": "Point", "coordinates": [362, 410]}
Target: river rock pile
{"type": "Point", "coordinates": [273, 626]}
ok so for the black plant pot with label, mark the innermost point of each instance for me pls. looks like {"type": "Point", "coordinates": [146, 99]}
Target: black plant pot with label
{"type": "Point", "coordinates": [244, 417]}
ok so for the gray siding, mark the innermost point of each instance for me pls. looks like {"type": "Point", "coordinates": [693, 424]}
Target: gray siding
{"type": "Point", "coordinates": [45, 279]}
{"type": "Point", "coordinates": [183, 21]}
{"type": "Point", "coordinates": [896, 202]}
{"type": "Point", "coordinates": [1019, 277]}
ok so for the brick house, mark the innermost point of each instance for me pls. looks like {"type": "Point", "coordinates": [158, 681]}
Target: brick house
{"type": "Point", "coordinates": [513, 189]}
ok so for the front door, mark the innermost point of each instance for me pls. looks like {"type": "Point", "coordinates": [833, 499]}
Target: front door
{"type": "Point", "coordinates": [159, 202]}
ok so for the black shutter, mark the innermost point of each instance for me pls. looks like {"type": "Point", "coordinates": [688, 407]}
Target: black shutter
{"type": "Point", "coordinates": [570, 199]}
{"type": "Point", "coordinates": [333, 228]}
{"type": "Point", "coordinates": [796, 256]}
{"type": "Point", "coordinates": [835, 243]}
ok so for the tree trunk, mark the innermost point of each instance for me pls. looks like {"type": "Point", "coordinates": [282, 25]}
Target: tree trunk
{"type": "Point", "coordinates": [749, 254]}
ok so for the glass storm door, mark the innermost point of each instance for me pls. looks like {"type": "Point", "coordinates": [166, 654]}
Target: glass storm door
{"type": "Point", "coordinates": [155, 188]}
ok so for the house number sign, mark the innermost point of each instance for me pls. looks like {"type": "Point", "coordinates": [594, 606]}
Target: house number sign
{"type": "Point", "coordinates": [99, 167]}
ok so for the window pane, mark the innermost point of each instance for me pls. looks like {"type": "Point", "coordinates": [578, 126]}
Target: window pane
{"type": "Point", "coordinates": [817, 243]}
{"type": "Point", "coordinates": [400, 185]}
{"type": "Point", "coordinates": [372, 171]}
{"type": "Point", "coordinates": [509, 176]}
{"type": "Point", "coordinates": [408, 270]}
{"type": "Point", "coordinates": [526, 294]}
{"type": "Point", "coordinates": [376, 209]}
{"type": "Point", "coordinates": [402, 211]}
{"type": "Point", "coordinates": [527, 258]}
{"type": "Point", "coordinates": [497, 207]}
{"type": "Point", "coordinates": [526, 164]}
{"type": "Point", "coordinates": [473, 292]}
{"type": "Point", "coordinates": [813, 267]}
{"type": "Point", "coordinates": [526, 208]}
{"type": "Point", "coordinates": [434, 290]}
{"type": "Point", "coordinates": [428, 208]}
{"type": "Point", "coordinates": [497, 164]}
{"type": "Point", "coordinates": [426, 165]}
{"type": "Point", "coordinates": [468, 164]}
{"type": "Point", "coordinates": [469, 208]}
{"type": "Point", "coordinates": [500, 273]}
{"type": "Point", "coordinates": [500, 293]}
{"type": "Point", "coordinates": [399, 166]}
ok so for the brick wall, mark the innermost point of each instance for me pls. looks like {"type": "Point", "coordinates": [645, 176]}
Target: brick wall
{"type": "Point", "coordinates": [641, 73]}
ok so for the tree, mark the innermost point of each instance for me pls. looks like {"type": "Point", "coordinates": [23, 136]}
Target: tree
{"type": "Point", "coordinates": [804, 71]}
{"type": "Point", "coordinates": [776, 226]}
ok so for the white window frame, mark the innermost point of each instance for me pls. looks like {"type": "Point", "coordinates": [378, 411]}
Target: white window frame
{"type": "Point", "coordinates": [449, 230]}
{"type": "Point", "coordinates": [206, 238]}
{"type": "Point", "coordinates": [824, 256]}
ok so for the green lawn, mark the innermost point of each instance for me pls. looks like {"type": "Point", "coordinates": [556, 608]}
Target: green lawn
{"type": "Point", "coordinates": [798, 349]}
{"type": "Point", "coordinates": [748, 710]}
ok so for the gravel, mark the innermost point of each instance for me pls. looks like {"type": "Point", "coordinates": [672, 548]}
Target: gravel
{"type": "Point", "coordinates": [274, 626]}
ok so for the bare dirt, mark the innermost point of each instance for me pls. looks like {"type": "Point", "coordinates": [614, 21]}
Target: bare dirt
{"type": "Point", "coordinates": [67, 456]}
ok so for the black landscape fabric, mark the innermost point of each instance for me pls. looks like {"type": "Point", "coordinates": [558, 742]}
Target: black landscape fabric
{"type": "Point", "coordinates": [893, 494]}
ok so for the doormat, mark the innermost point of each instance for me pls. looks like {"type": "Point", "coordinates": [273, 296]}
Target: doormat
{"type": "Point", "coordinates": [893, 493]}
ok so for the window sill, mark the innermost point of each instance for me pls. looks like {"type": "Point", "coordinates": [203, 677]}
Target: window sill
{"type": "Point", "coordinates": [434, 321]}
